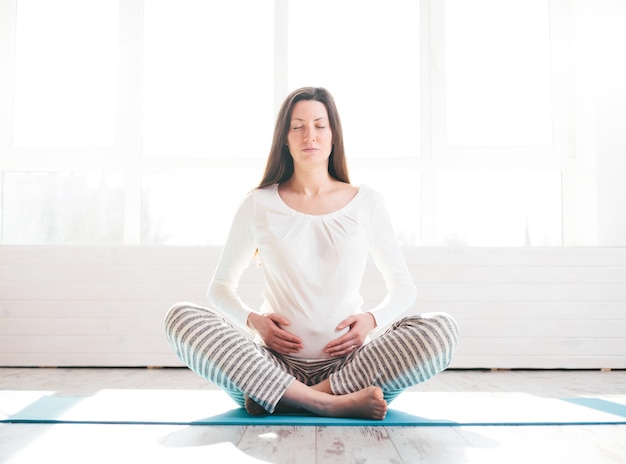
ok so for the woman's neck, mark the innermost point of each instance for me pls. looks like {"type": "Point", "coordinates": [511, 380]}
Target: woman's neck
{"type": "Point", "coordinates": [310, 182]}
{"type": "Point", "coordinates": [316, 194]}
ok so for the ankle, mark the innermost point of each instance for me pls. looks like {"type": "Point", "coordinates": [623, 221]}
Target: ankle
{"type": "Point", "coordinates": [324, 387]}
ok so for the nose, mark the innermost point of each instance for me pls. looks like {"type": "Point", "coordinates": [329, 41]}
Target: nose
{"type": "Point", "coordinates": [309, 135]}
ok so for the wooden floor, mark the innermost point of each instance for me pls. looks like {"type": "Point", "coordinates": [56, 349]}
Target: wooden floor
{"type": "Point", "coordinates": [74, 443]}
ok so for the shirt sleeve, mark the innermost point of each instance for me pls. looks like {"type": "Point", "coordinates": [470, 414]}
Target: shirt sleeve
{"type": "Point", "coordinates": [389, 259]}
{"type": "Point", "coordinates": [236, 256]}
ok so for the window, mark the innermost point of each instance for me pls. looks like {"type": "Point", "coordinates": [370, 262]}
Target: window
{"type": "Point", "coordinates": [65, 89]}
{"type": "Point", "coordinates": [63, 208]}
{"type": "Point", "coordinates": [147, 121]}
{"type": "Point", "coordinates": [207, 78]}
{"type": "Point", "coordinates": [498, 208]}
{"type": "Point", "coordinates": [498, 73]}
{"type": "Point", "coordinates": [206, 94]}
{"type": "Point", "coordinates": [497, 156]}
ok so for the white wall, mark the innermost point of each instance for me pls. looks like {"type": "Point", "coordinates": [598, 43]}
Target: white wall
{"type": "Point", "coordinates": [517, 307]}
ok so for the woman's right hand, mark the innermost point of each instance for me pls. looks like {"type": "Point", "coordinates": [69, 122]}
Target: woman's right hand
{"type": "Point", "coordinates": [275, 337]}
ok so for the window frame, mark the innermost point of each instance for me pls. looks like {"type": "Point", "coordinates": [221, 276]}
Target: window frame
{"type": "Point", "coordinates": [439, 156]}
{"type": "Point", "coordinates": [435, 155]}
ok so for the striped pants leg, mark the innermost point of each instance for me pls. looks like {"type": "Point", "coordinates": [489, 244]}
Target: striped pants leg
{"type": "Point", "coordinates": [212, 348]}
{"type": "Point", "coordinates": [410, 352]}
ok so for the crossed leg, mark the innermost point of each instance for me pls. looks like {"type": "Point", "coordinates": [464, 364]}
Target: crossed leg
{"type": "Point", "coordinates": [213, 349]}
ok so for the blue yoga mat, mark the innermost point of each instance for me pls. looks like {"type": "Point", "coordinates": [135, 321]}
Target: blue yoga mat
{"type": "Point", "coordinates": [184, 407]}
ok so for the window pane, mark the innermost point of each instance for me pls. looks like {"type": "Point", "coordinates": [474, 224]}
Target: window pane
{"type": "Point", "coordinates": [65, 73]}
{"type": "Point", "coordinates": [208, 78]}
{"type": "Point", "coordinates": [498, 72]}
{"type": "Point", "coordinates": [63, 208]}
{"type": "Point", "coordinates": [403, 203]}
{"type": "Point", "coordinates": [192, 208]}
{"type": "Point", "coordinates": [369, 60]}
{"type": "Point", "coordinates": [499, 208]}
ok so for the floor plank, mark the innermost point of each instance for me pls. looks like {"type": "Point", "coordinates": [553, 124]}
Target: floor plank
{"type": "Point", "coordinates": [287, 445]}
{"type": "Point", "coordinates": [344, 445]}
{"type": "Point", "coordinates": [544, 444]}
{"type": "Point", "coordinates": [432, 445]}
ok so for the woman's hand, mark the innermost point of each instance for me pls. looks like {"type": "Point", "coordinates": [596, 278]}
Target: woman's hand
{"type": "Point", "coordinates": [360, 326]}
{"type": "Point", "coordinates": [275, 337]}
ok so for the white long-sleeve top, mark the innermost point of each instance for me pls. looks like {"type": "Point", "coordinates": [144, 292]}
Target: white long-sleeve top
{"type": "Point", "coordinates": [313, 265]}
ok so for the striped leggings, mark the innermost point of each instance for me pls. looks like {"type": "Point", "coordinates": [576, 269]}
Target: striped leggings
{"type": "Point", "coordinates": [411, 351]}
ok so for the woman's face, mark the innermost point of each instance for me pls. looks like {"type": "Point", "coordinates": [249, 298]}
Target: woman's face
{"type": "Point", "coordinates": [309, 138]}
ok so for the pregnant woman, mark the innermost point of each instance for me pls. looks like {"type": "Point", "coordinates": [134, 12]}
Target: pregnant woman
{"type": "Point", "coordinates": [312, 344]}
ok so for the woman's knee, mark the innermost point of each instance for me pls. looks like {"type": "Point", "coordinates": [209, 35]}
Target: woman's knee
{"type": "Point", "coordinates": [449, 333]}
{"type": "Point", "coordinates": [179, 311]}
{"type": "Point", "coordinates": [448, 325]}
{"type": "Point", "coordinates": [175, 311]}
{"type": "Point", "coordinates": [440, 325]}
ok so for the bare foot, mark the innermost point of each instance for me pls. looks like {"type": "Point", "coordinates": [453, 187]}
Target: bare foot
{"type": "Point", "coordinates": [253, 408]}
{"type": "Point", "coordinates": [367, 404]}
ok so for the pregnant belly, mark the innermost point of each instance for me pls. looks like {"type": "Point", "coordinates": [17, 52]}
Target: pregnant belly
{"type": "Point", "coordinates": [315, 338]}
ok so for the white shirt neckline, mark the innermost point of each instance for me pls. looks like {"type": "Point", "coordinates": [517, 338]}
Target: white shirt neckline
{"type": "Point", "coordinates": [329, 214]}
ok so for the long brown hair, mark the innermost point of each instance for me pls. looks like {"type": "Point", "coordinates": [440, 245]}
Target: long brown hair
{"type": "Point", "coordinates": [279, 167]}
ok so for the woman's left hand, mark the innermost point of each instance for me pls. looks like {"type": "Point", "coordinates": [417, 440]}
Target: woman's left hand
{"type": "Point", "coordinates": [360, 326]}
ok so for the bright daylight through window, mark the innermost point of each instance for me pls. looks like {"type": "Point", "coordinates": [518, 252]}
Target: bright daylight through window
{"type": "Point", "coordinates": [140, 122]}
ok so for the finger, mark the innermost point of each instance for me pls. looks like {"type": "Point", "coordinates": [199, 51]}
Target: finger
{"type": "Point", "coordinates": [343, 342]}
{"type": "Point", "coordinates": [346, 323]}
{"type": "Point", "coordinates": [286, 347]}
{"type": "Point", "coordinates": [349, 349]}
{"type": "Point", "coordinates": [337, 344]}
{"type": "Point", "coordinates": [344, 348]}
{"type": "Point", "coordinates": [288, 337]}
{"type": "Point", "coordinates": [278, 319]}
